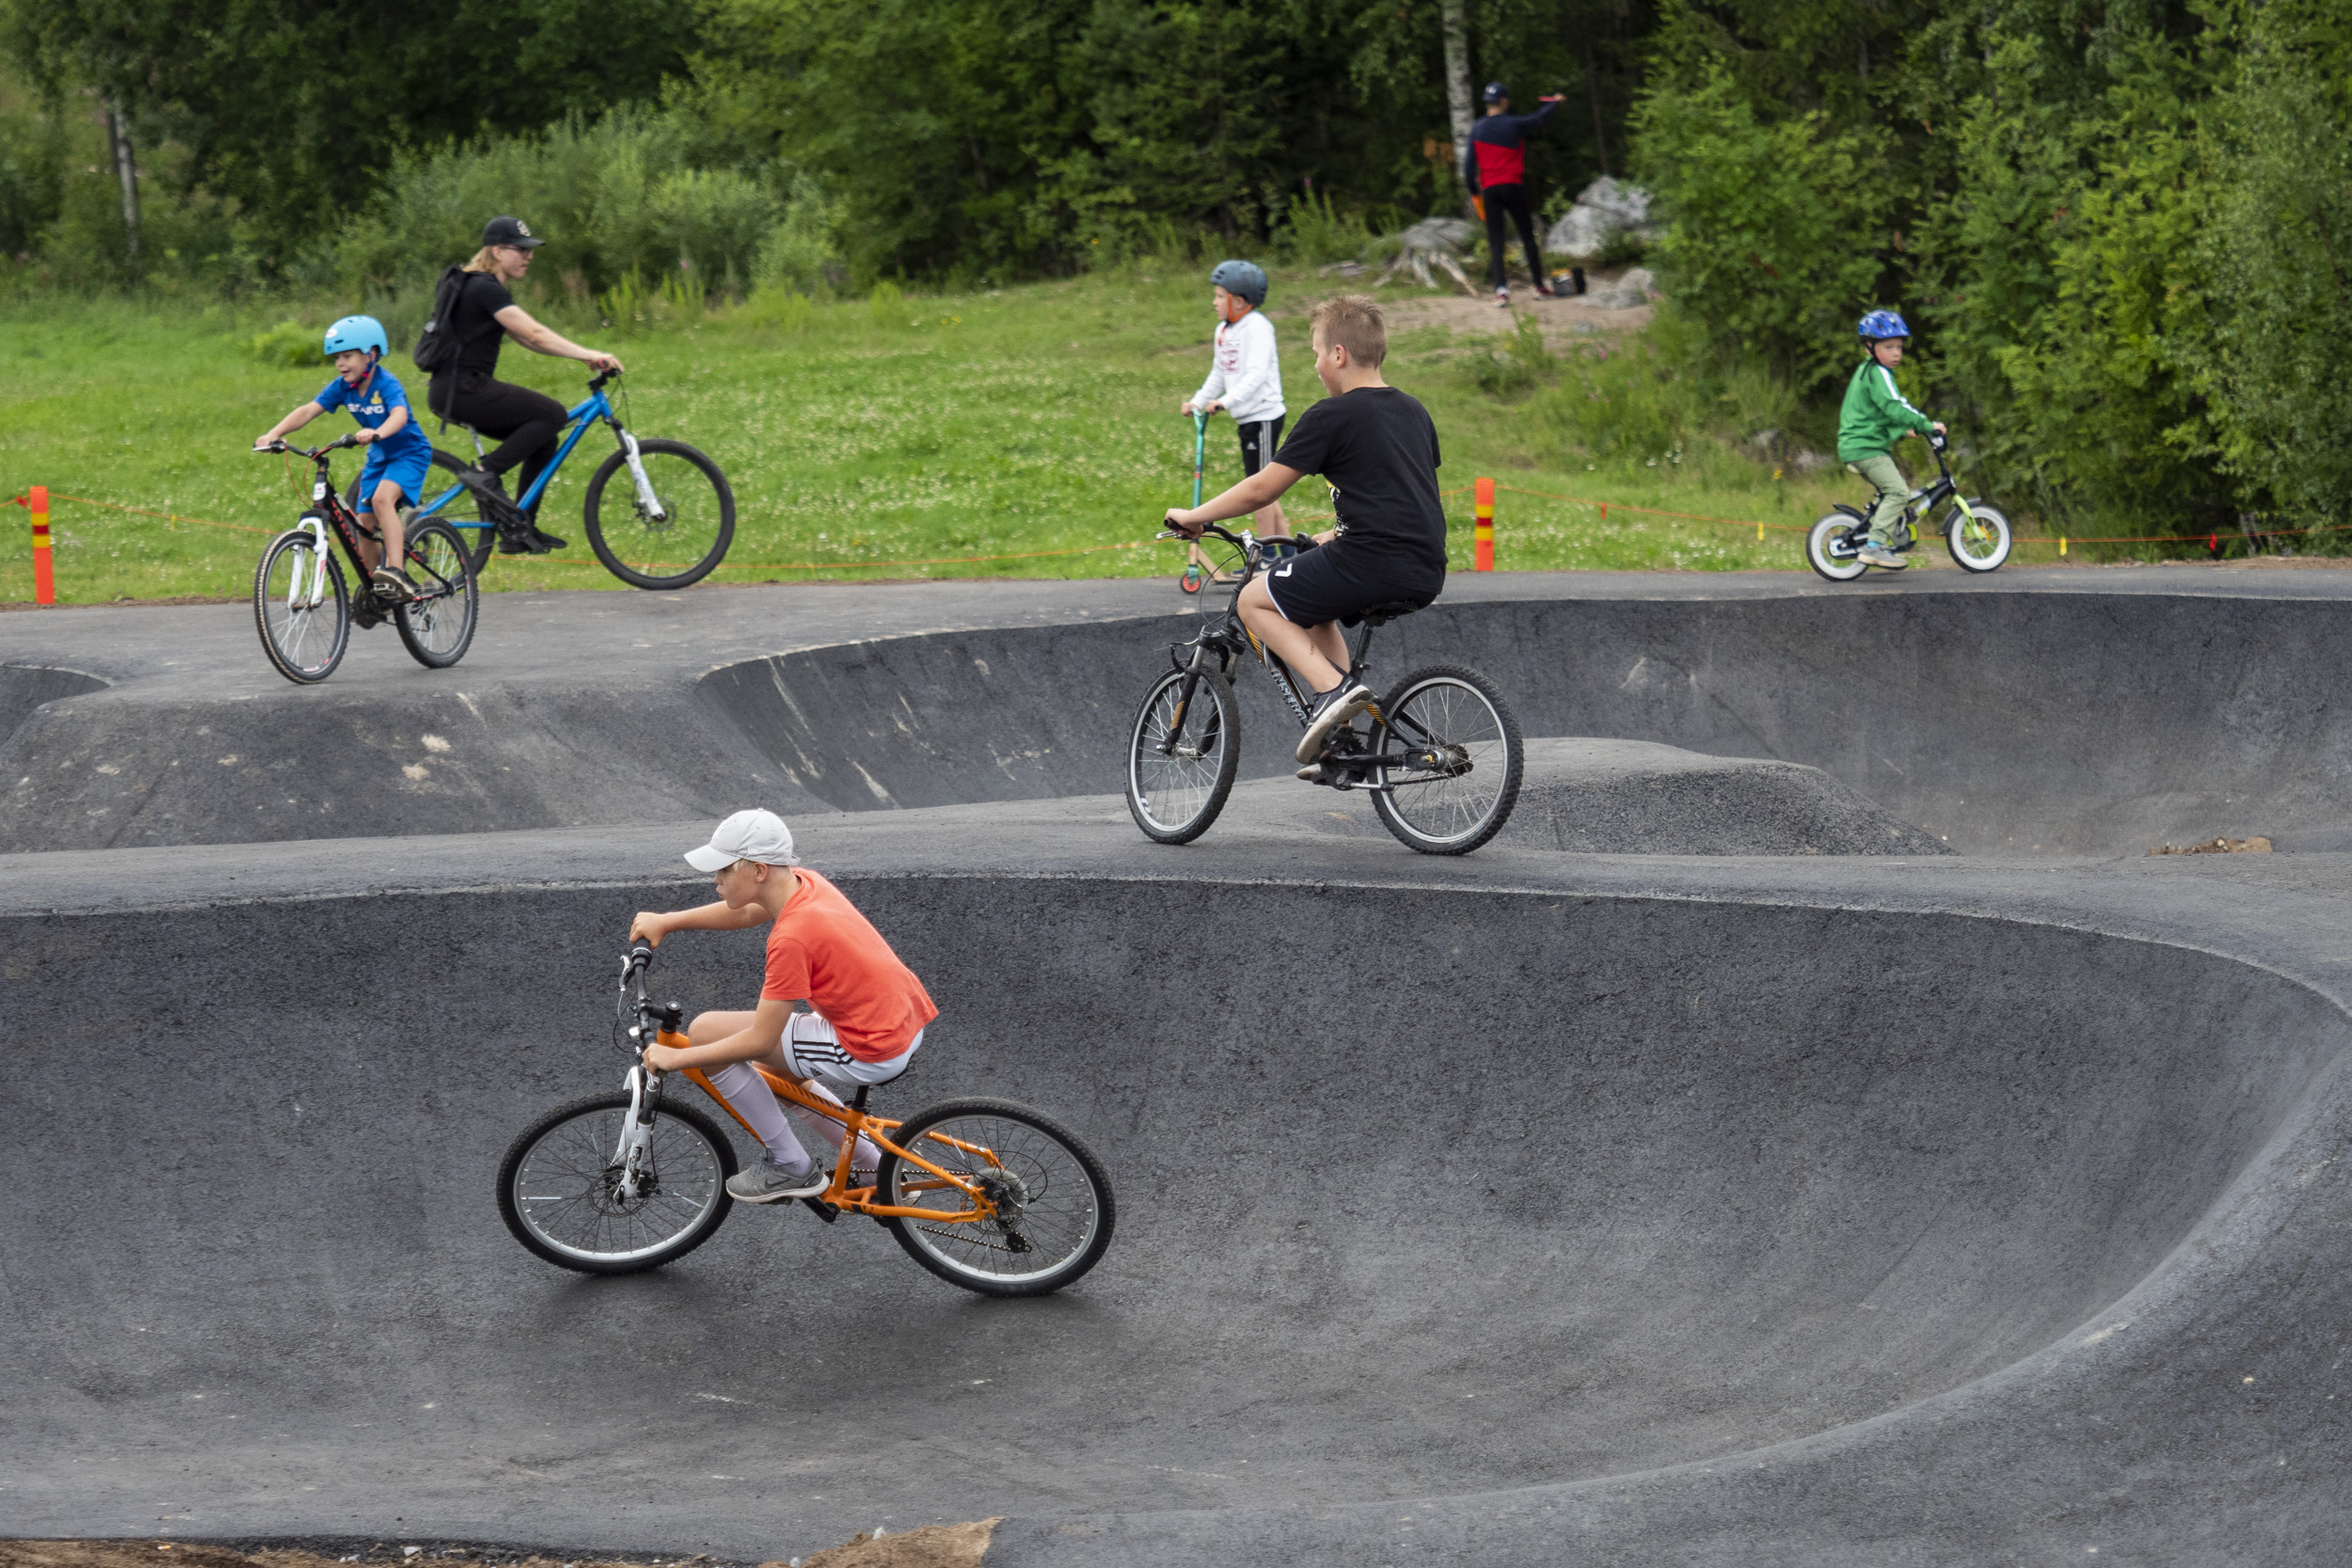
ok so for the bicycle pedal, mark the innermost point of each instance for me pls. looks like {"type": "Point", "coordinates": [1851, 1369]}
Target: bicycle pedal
{"type": "Point", "coordinates": [823, 1210]}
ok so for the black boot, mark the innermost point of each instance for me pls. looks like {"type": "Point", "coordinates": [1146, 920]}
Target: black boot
{"type": "Point", "coordinates": [541, 540]}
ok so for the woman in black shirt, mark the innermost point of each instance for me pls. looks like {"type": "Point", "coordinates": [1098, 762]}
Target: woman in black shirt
{"type": "Point", "coordinates": [526, 423]}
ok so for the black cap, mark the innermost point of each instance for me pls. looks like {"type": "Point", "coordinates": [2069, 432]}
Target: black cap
{"type": "Point", "coordinates": [514, 232]}
{"type": "Point", "coordinates": [1497, 93]}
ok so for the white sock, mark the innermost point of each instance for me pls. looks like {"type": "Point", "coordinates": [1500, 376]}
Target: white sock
{"type": "Point", "coordinates": [757, 1104]}
{"type": "Point", "coordinates": [867, 1156]}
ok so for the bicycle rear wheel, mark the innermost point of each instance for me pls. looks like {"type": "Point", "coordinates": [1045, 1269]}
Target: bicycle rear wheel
{"type": "Point", "coordinates": [1055, 1211]}
{"type": "Point", "coordinates": [1464, 759]}
{"type": "Point", "coordinates": [301, 607]}
{"type": "Point", "coordinates": [1182, 756]}
{"type": "Point", "coordinates": [1833, 546]}
{"type": "Point", "coordinates": [462, 513]}
{"type": "Point", "coordinates": [680, 544]}
{"type": "Point", "coordinates": [557, 1187]}
{"type": "Point", "coordinates": [438, 628]}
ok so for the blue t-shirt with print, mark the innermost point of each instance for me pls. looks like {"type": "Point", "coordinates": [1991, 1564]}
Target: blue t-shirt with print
{"type": "Point", "coordinates": [372, 402]}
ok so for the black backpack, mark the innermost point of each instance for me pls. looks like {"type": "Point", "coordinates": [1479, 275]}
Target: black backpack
{"type": "Point", "coordinates": [438, 345]}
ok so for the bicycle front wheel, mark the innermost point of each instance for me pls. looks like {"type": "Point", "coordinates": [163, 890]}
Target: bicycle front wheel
{"type": "Point", "coordinates": [679, 538]}
{"type": "Point", "coordinates": [1182, 756]}
{"type": "Point", "coordinates": [1453, 760]}
{"type": "Point", "coordinates": [559, 1189]}
{"type": "Point", "coordinates": [1978, 537]}
{"type": "Point", "coordinates": [301, 607]}
{"type": "Point", "coordinates": [1053, 1208]}
{"type": "Point", "coordinates": [437, 626]}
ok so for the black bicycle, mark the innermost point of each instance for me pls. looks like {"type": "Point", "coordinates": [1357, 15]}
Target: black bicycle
{"type": "Point", "coordinates": [305, 611]}
{"type": "Point", "coordinates": [1976, 534]}
{"type": "Point", "coordinates": [1440, 755]}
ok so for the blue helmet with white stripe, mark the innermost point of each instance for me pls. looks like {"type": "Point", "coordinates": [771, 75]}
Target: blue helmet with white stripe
{"type": "Point", "coordinates": [1882, 323]}
{"type": "Point", "coordinates": [363, 333]}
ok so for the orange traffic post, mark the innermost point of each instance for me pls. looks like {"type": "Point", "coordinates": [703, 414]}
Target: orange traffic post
{"type": "Point", "coordinates": [44, 573]}
{"type": "Point", "coordinates": [1483, 534]}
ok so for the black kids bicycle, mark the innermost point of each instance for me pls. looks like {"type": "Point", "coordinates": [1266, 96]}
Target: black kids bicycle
{"type": "Point", "coordinates": [305, 611]}
{"type": "Point", "coordinates": [1976, 534]}
{"type": "Point", "coordinates": [1440, 755]}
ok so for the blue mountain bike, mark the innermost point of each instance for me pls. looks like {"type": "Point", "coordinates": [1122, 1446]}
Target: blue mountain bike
{"type": "Point", "coordinates": [660, 514]}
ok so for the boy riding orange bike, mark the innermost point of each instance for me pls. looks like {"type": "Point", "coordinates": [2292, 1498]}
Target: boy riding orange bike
{"type": "Point", "coordinates": [837, 1007]}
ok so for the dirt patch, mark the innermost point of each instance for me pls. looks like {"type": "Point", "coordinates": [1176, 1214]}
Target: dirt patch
{"type": "Point", "coordinates": [932, 1546]}
{"type": "Point", "coordinates": [1564, 322]}
{"type": "Point", "coordinates": [2218, 846]}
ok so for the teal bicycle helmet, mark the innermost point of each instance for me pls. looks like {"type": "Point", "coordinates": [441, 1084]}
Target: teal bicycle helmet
{"type": "Point", "coordinates": [1246, 279]}
{"type": "Point", "coordinates": [364, 333]}
{"type": "Point", "coordinates": [1882, 323]}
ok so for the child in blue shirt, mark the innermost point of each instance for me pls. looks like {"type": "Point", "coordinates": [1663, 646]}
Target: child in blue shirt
{"type": "Point", "coordinates": [398, 451]}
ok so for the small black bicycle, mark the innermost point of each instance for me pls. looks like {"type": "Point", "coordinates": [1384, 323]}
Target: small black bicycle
{"type": "Point", "coordinates": [1440, 755]}
{"type": "Point", "coordinates": [1976, 534]}
{"type": "Point", "coordinates": [305, 611]}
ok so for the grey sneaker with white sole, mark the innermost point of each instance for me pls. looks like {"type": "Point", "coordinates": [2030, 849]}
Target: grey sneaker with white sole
{"type": "Point", "coordinates": [768, 1183]}
{"type": "Point", "coordinates": [1879, 556]}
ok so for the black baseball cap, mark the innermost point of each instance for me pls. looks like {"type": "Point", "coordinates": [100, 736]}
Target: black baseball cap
{"type": "Point", "coordinates": [1497, 93]}
{"type": "Point", "coordinates": [514, 232]}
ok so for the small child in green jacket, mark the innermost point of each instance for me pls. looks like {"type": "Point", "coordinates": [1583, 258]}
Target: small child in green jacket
{"type": "Point", "coordinates": [1874, 418]}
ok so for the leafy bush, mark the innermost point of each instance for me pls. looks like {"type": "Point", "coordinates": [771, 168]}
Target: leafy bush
{"type": "Point", "coordinates": [1774, 231]}
{"type": "Point", "coordinates": [287, 343]}
{"type": "Point", "coordinates": [613, 198]}
{"type": "Point", "coordinates": [2279, 246]}
{"type": "Point", "coordinates": [1314, 232]}
{"type": "Point", "coordinates": [1512, 364]}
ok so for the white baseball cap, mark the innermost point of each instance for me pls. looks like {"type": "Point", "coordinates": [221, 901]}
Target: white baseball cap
{"type": "Point", "coordinates": [748, 835]}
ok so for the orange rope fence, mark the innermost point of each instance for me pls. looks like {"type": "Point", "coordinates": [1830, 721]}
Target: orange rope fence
{"type": "Point", "coordinates": [2212, 541]}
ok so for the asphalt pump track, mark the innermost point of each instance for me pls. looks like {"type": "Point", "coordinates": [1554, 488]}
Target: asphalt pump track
{"type": "Point", "coordinates": [1817, 1134]}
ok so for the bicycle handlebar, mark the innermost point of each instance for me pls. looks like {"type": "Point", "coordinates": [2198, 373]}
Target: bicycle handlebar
{"type": "Point", "coordinates": [313, 453]}
{"type": "Point", "coordinates": [1232, 539]}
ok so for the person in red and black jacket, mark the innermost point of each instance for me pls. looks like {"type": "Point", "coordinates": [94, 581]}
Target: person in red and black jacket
{"type": "Point", "coordinates": [1495, 169]}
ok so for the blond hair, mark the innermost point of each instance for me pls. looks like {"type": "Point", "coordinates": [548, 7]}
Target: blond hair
{"type": "Point", "coordinates": [1354, 323]}
{"type": "Point", "coordinates": [483, 260]}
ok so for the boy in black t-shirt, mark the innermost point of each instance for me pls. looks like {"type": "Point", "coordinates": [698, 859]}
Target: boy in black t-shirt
{"type": "Point", "coordinates": [1377, 449]}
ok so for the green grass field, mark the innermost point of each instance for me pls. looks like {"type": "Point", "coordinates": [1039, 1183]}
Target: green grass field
{"type": "Point", "coordinates": [865, 439]}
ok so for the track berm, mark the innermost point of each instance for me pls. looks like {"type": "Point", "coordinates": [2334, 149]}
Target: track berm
{"type": "Point", "coordinates": [1718, 1169]}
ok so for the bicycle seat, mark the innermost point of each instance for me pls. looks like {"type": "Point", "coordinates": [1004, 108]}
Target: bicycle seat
{"type": "Point", "coordinates": [1381, 614]}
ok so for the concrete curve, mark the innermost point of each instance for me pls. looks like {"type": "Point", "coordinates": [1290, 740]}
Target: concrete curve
{"type": "Point", "coordinates": [1735, 1205]}
{"type": "Point", "coordinates": [2036, 712]}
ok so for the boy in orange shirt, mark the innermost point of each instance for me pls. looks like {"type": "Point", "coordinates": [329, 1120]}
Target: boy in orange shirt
{"type": "Point", "coordinates": [836, 1006]}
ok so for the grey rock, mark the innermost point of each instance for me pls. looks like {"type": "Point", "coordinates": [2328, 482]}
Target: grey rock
{"type": "Point", "coordinates": [1632, 287]}
{"type": "Point", "coordinates": [1603, 210]}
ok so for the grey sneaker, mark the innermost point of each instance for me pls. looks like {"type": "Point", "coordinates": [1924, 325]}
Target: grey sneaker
{"type": "Point", "coordinates": [394, 584]}
{"type": "Point", "coordinates": [768, 1183]}
{"type": "Point", "coordinates": [1332, 709]}
{"type": "Point", "coordinates": [1879, 555]}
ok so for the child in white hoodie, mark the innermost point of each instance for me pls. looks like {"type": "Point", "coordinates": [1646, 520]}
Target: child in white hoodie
{"type": "Point", "coordinates": [1245, 378]}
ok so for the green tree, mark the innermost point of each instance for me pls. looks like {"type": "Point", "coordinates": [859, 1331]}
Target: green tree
{"type": "Point", "coordinates": [2278, 249]}
{"type": "Point", "coordinates": [1775, 230]}
{"type": "Point", "coordinates": [293, 112]}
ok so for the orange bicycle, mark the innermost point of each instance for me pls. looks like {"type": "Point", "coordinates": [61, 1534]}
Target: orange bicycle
{"type": "Point", "coordinates": [985, 1194]}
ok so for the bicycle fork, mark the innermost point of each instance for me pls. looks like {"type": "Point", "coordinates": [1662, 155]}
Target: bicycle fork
{"type": "Point", "coordinates": [646, 500]}
{"type": "Point", "coordinates": [631, 1156]}
{"type": "Point", "coordinates": [299, 594]}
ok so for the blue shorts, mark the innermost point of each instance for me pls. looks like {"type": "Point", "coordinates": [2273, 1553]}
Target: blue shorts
{"type": "Point", "coordinates": [408, 471]}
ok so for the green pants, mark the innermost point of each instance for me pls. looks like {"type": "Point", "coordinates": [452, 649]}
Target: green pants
{"type": "Point", "coordinates": [1892, 491]}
